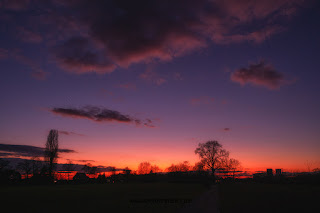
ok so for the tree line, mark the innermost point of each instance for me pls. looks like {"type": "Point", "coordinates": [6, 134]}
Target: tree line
{"type": "Point", "coordinates": [212, 158]}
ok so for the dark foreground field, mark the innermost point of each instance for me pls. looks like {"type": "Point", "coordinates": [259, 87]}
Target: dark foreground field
{"type": "Point", "coordinates": [269, 198]}
{"type": "Point", "coordinates": [159, 197]}
{"type": "Point", "coordinates": [144, 197]}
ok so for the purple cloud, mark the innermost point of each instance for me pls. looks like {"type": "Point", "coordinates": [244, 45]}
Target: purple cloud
{"type": "Point", "coordinates": [260, 74]}
{"type": "Point", "coordinates": [78, 55]}
{"type": "Point", "coordinates": [99, 36]}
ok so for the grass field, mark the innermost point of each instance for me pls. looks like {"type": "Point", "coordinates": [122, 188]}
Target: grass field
{"type": "Point", "coordinates": [269, 198]}
{"type": "Point", "coordinates": [144, 197]}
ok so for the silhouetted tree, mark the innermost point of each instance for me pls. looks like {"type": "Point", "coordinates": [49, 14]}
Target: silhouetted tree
{"type": "Point", "coordinates": [199, 167]}
{"type": "Point", "coordinates": [144, 168]}
{"type": "Point", "coordinates": [26, 167]}
{"type": "Point", "coordinates": [181, 167]}
{"type": "Point", "coordinates": [212, 155]}
{"type": "Point", "coordinates": [184, 167]}
{"type": "Point", "coordinates": [51, 151]}
{"type": "Point", "coordinates": [172, 168]}
{"type": "Point", "coordinates": [309, 165]}
{"type": "Point", "coordinates": [232, 166]}
{"type": "Point", "coordinates": [147, 168]}
{"type": "Point", "coordinates": [155, 169]}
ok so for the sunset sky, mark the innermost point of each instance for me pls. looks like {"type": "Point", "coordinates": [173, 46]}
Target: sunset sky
{"type": "Point", "coordinates": [147, 80]}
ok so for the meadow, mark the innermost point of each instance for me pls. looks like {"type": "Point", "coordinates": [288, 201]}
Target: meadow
{"type": "Point", "coordinates": [254, 197]}
{"type": "Point", "coordinates": [130, 197]}
{"type": "Point", "coordinates": [159, 197]}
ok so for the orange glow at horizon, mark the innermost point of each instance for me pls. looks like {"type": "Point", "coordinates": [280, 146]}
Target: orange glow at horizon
{"type": "Point", "coordinates": [164, 161]}
{"type": "Point", "coordinates": [122, 153]}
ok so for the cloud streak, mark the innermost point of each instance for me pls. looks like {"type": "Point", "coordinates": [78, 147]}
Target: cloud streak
{"type": "Point", "coordinates": [98, 114]}
{"type": "Point", "coordinates": [70, 133]}
{"type": "Point", "coordinates": [259, 74]}
{"type": "Point", "coordinates": [26, 150]}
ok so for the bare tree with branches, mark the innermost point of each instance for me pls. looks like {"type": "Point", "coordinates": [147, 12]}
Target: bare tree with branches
{"type": "Point", "coordinates": [212, 155]}
{"type": "Point", "coordinates": [232, 166]}
{"type": "Point", "coordinates": [181, 167]}
{"type": "Point", "coordinates": [51, 151]}
{"type": "Point", "coordinates": [155, 169]}
{"type": "Point", "coordinates": [199, 167]}
{"type": "Point", "coordinates": [309, 164]}
{"type": "Point", "coordinates": [144, 168]}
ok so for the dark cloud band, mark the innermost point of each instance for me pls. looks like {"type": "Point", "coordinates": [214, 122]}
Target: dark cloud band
{"type": "Point", "coordinates": [100, 115]}
{"type": "Point", "coordinates": [26, 150]}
